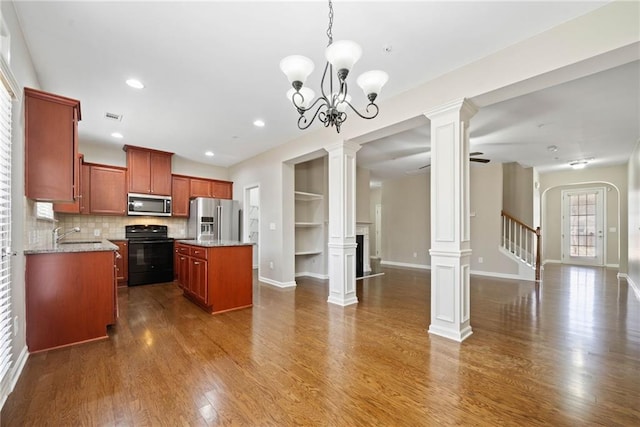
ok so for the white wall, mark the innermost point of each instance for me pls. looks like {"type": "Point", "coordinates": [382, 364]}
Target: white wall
{"type": "Point", "coordinates": [561, 54]}
{"type": "Point", "coordinates": [24, 72]}
{"type": "Point", "coordinates": [634, 218]}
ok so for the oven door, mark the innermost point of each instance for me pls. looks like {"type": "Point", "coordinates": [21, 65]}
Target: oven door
{"type": "Point", "coordinates": [150, 261]}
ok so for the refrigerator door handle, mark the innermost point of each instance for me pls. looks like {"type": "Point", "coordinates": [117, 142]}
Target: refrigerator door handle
{"type": "Point", "coordinates": [220, 222]}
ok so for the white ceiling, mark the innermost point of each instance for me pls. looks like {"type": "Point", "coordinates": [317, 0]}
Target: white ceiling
{"type": "Point", "coordinates": [211, 69]}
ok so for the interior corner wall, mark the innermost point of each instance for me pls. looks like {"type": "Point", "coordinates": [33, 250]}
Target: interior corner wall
{"type": "Point", "coordinates": [614, 179]}
{"type": "Point", "coordinates": [633, 270]}
{"type": "Point", "coordinates": [517, 192]}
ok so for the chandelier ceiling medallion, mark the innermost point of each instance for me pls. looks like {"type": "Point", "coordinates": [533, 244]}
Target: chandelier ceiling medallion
{"type": "Point", "coordinates": [330, 107]}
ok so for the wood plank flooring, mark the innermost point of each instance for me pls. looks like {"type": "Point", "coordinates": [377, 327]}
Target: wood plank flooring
{"type": "Point", "coordinates": [564, 354]}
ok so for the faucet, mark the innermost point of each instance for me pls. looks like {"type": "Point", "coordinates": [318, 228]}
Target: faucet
{"type": "Point", "coordinates": [57, 237]}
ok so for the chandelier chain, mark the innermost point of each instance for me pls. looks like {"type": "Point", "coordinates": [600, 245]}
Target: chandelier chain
{"type": "Point", "coordinates": [329, 33]}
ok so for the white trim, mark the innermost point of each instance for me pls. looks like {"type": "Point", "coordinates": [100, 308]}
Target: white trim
{"type": "Point", "coordinates": [500, 275]}
{"type": "Point", "coordinates": [612, 265]}
{"type": "Point", "coordinates": [15, 373]}
{"type": "Point", "coordinates": [314, 275]}
{"type": "Point", "coordinates": [7, 77]}
{"type": "Point", "coordinates": [282, 285]}
{"type": "Point", "coordinates": [634, 286]}
{"type": "Point", "coordinates": [406, 264]}
{"type": "Point", "coordinates": [551, 261]}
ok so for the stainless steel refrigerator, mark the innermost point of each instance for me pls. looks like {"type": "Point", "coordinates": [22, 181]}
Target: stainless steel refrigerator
{"type": "Point", "coordinates": [214, 219]}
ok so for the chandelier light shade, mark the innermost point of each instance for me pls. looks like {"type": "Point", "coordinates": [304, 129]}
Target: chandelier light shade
{"type": "Point", "coordinates": [331, 106]}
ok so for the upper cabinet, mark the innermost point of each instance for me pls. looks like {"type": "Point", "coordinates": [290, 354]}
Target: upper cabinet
{"type": "Point", "coordinates": [149, 171]}
{"type": "Point", "coordinates": [180, 196]}
{"type": "Point", "coordinates": [107, 194]}
{"type": "Point", "coordinates": [51, 146]}
{"type": "Point", "coordinates": [201, 187]}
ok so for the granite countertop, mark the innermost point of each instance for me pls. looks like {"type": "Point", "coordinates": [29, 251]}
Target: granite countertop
{"type": "Point", "coordinates": [214, 243]}
{"type": "Point", "coordinates": [67, 246]}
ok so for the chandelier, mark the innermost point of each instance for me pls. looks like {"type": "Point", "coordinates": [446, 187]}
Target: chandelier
{"type": "Point", "coordinates": [330, 107]}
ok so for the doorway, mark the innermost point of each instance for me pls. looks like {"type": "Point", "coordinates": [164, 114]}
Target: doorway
{"type": "Point", "coordinates": [378, 230]}
{"type": "Point", "coordinates": [583, 226]}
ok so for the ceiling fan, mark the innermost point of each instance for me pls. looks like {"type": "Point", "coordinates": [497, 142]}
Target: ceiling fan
{"type": "Point", "coordinates": [472, 158]}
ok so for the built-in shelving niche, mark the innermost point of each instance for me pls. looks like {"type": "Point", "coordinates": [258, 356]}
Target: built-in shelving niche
{"type": "Point", "coordinates": [311, 218]}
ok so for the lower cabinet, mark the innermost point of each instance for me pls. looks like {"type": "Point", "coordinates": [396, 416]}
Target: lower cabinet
{"type": "Point", "coordinates": [216, 278]}
{"type": "Point", "coordinates": [70, 298]}
{"type": "Point", "coordinates": [122, 262]}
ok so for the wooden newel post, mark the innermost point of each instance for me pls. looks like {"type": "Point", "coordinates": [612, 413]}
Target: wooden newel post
{"type": "Point", "coordinates": [538, 250]}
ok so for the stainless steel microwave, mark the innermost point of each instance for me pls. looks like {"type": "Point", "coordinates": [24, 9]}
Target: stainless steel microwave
{"type": "Point", "coordinates": [145, 204]}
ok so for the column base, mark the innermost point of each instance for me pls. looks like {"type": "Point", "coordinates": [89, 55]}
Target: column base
{"type": "Point", "coordinates": [450, 333]}
{"type": "Point", "coordinates": [343, 302]}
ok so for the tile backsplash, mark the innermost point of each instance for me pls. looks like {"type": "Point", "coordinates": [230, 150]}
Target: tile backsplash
{"type": "Point", "coordinates": [112, 227]}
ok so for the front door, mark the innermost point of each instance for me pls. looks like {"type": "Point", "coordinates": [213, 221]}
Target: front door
{"type": "Point", "coordinates": [583, 226]}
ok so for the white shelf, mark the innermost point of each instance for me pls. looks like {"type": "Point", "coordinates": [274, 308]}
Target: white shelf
{"type": "Point", "coordinates": [308, 224]}
{"type": "Point", "coordinates": [308, 253]}
{"type": "Point", "coordinates": [301, 195]}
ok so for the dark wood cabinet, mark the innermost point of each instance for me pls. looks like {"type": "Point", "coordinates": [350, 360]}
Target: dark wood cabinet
{"type": "Point", "coordinates": [219, 278]}
{"type": "Point", "coordinates": [122, 262]}
{"type": "Point", "coordinates": [75, 206]}
{"type": "Point", "coordinates": [51, 146]}
{"type": "Point", "coordinates": [201, 187]}
{"type": "Point", "coordinates": [181, 264]}
{"type": "Point", "coordinates": [108, 190]}
{"type": "Point", "coordinates": [180, 196]}
{"type": "Point", "coordinates": [149, 171]}
{"type": "Point", "coordinates": [69, 298]}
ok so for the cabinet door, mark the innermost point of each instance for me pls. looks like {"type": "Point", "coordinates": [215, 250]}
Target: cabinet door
{"type": "Point", "coordinates": [180, 196]}
{"type": "Point", "coordinates": [85, 190]}
{"type": "Point", "coordinates": [221, 190]}
{"type": "Point", "coordinates": [198, 279]}
{"type": "Point", "coordinates": [108, 190]}
{"type": "Point", "coordinates": [200, 188]}
{"type": "Point", "coordinates": [183, 272]}
{"type": "Point", "coordinates": [51, 146]}
{"type": "Point", "coordinates": [139, 165]}
{"type": "Point", "coordinates": [160, 173]}
{"type": "Point", "coordinates": [73, 207]}
{"type": "Point", "coordinates": [122, 263]}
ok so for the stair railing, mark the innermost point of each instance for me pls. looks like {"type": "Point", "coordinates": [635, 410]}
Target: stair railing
{"type": "Point", "coordinates": [522, 241]}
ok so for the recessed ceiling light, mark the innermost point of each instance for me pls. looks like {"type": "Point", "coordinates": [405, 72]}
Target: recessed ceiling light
{"type": "Point", "coordinates": [259, 123]}
{"type": "Point", "coordinates": [552, 148]}
{"type": "Point", "coordinates": [117, 135]}
{"type": "Point", "coordinates": [209, 153]}
{"type": "Point", "coordinates": [136, 84]}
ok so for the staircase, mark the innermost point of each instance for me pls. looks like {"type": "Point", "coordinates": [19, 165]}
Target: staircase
{"type": "Point", "coordinates": [521, 242]}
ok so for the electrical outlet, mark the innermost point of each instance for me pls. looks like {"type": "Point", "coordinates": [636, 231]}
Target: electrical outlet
{"type": "Point", "coordinates": [271, 265]}
{"type": "Point", "coordinates": [415, 254]}
{"type": "Point", "coordinates": [96, 232]}
{"type": "Point", "coordinates": [16, 325]}
{"type": "Point", "coordinates": [480, 260]}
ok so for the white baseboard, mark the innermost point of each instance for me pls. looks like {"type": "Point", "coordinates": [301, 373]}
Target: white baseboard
{"type": "Point", "coordinates": [551, 261]}
{"type": "Point", "coordinates": [277, 284]}
{"type": "Point", "coordinates": [634, 285]}
{"type": "Point", "coordinates": [405, 264]}
{"type": "Point", "coordinates": [612, 265]}
{"type": "Point", "coordinates": [500, 275]}
{"type": "Point", "coordinates": [314, 275]}
{"type": "Point", "coordinates": [15, 373]}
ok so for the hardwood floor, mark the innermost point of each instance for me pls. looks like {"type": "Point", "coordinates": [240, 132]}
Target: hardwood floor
{"type": "Point", "coordinates": [567, 353]}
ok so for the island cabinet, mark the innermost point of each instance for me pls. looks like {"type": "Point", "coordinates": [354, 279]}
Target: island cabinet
{"type": "Point", "coordinates": [108, 194]}
{"type": "Point", "coordinates": [149, 171]}
{"type": "Point", "coordinates": [70, 298]}
{"type": "Point", "coordinates": [51, 146]}
{"type": "Point", "coordinates": [217, 278]}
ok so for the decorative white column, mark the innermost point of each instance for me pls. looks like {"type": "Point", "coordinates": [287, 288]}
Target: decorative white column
{"type": "Point", "coordinates": [450, 236]}
{"type": "Point", "coordinates": [342, 223]}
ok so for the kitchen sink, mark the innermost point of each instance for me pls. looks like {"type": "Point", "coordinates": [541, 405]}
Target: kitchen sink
{"type": "Point", "coordinates": [79, 242]}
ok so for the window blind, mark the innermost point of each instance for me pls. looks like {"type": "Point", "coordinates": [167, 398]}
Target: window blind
{"type": "Point", "coordinates": [5, 234]}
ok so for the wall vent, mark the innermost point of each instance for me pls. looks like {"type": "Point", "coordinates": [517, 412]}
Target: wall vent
{"type": "Point", "coordinates": [113, 116]}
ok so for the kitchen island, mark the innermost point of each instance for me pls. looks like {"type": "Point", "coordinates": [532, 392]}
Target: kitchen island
{"type": "Point", "coordinates": [70, 293]}
{"type": "Point", "coordinates": [215, 275]}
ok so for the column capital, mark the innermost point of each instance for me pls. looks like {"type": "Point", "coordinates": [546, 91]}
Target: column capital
{"type": "Point", "coordinates": [464, 107]}
{"type": "Point", "coordinates": [346, 145]}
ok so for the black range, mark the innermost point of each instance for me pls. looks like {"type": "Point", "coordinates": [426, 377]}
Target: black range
{"type": "Point", "coordinates": [150, 254]}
